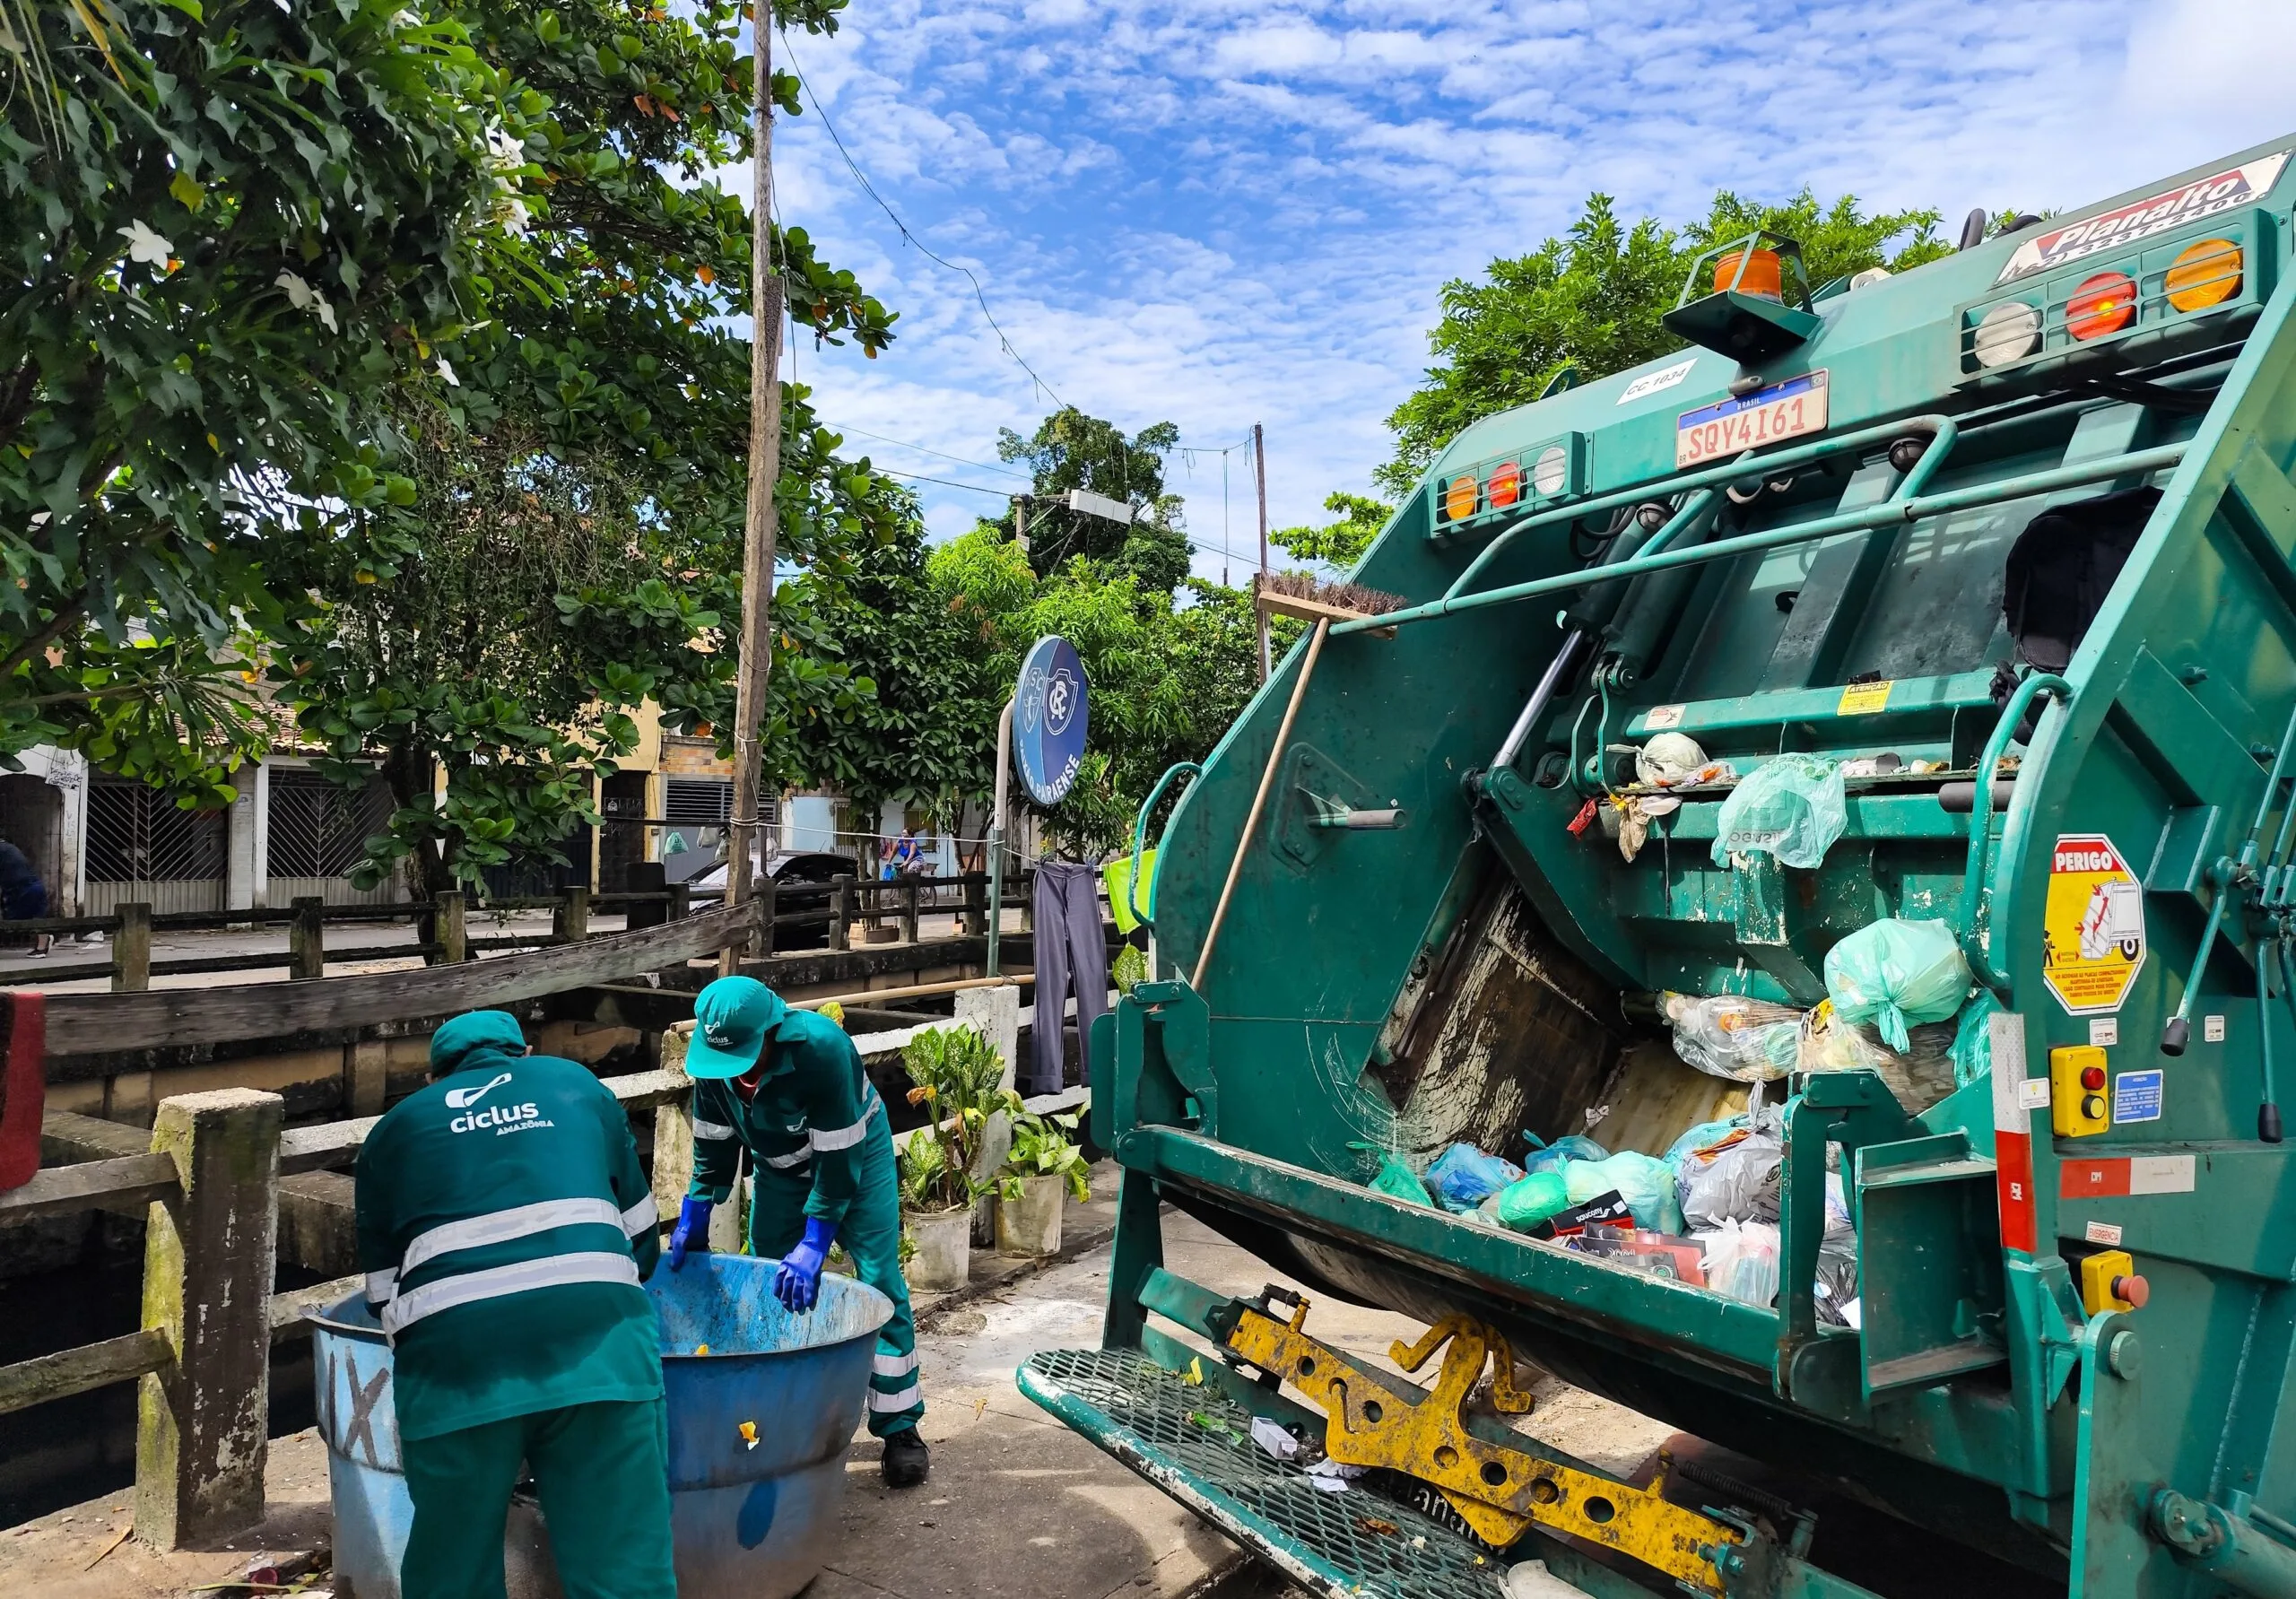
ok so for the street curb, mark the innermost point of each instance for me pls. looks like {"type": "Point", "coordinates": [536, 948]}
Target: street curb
{"type": "Point", "coordinates": [1012, 1269]}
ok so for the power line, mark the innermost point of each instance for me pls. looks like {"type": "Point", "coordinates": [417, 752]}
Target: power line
{"type": "Point", "coordinates": [946, 482]}
{"type": "Point", "coordinates": [944, 455]}
{"type": "Point", "coordinates": [906, 236]}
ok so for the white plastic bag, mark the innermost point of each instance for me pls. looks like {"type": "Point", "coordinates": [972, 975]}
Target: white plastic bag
{"type": "Point", "coordinates": [1728, 1035]}
{"type": "Point", "coordinates": [1736, 1183]}
{"type": "Point", "coordinates": [1742, 1261]}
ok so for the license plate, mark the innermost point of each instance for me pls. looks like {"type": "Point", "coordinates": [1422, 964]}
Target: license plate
{"type": "Point", "coordinates": [1785, 410]}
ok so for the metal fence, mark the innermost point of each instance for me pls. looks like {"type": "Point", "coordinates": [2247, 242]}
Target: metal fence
{"type": "Point", "coordinates": [144, 847]}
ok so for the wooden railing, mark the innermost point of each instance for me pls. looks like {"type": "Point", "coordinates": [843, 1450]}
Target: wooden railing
{"type": "Point", "coordinates": [444, 934]}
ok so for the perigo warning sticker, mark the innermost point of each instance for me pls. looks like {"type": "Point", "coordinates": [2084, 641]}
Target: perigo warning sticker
{"type": "Point", "coordinates": [2092, 925]}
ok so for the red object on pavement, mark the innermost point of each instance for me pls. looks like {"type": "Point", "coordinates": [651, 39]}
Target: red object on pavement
{"type": "Point", "coordinates": [23, 1086]}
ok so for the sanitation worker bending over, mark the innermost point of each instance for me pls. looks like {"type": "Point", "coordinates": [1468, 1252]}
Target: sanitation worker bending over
{"type": "Point", "coordinates": [789, 1087]}
{"type": "Point", "coordinates": [504, 1227]}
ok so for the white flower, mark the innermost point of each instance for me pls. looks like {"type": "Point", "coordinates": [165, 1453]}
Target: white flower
{"type": "Point", "coordinates": [514, 214]}
{"type": "Point", "coordinates": [446, 371]}
{"type": "Point", "coordinates": [304, 297]}
{"type": "Point", "coordinates": [404, 19]}
{"type": "Point", "coordinates": [147, 246]}
{"type": "Point", "coordinates": [505, 151]}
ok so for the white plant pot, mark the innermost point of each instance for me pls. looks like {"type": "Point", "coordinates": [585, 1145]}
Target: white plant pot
{"type": "Point", "coordinates": [1030, 1224]}
{"type": "Point", "coordinates": [944, 1257]}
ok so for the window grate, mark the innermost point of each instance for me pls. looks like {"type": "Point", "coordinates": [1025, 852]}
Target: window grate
{"type": "Point", "coordinates": [137, 835]}
{"type": "Point", "coordinates": [320, 828]}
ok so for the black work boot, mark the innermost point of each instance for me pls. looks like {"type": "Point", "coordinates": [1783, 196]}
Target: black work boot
{"type": "Point", "coordinates": [907, 1462]}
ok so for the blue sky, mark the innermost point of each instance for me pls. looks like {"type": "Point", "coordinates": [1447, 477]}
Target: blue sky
{"type": "Point", "coordinates": [1218, 214]}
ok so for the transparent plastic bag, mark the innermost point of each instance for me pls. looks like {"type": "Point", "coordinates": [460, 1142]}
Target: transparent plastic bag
{"type": "Point", "coordinates": [1395, 1179]}
{"type": "Point", "coordinates": [1742, 1261]}
{"type": "Point", "coordinates": [1463, 1177]}
{"type": "Point", "coordinates": [1644, 1182]}
{"type": "Point", "coordinates": [1920, 1076]}
{"type": "Point", "coordinates": [1728, 1035]}
{"type": "Point", "coordinates": [1736, 1182]}
{"type": "Point", "coordinates": [1895, 974]}
{"type": "Point", "coordinates": [1792, 807]}
{"type": "Point", "coordinates": [1550, 1157]}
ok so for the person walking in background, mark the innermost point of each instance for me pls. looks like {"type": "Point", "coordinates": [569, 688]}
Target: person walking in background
{"type": "Point", "coordinates": [24, 896]}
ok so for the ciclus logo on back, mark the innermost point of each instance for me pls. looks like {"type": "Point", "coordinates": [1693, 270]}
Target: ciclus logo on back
{"type": "Point", "coordinates": [462, 1099]}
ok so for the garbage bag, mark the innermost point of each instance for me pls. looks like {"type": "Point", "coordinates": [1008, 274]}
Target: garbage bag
{"type": "Point", "coordinates": [1526, 1201]}
{"type": "Point", "coordinates": [1742, 1261]}
{"type": "Point", "coordinates": [1463, 1177]}
{"type": "Point", "coordinates": [1705, 1135]}
{"type": "Point", "coordinates": [1644, 1182]}
{"type": "Point", "coordinates": [1550, 1157]}
{"type": "Point", "coordinates": [1895, 973]}
{"type": "Point", "coordinates": [1920, 1076]}
{"type": "Point", "coordinates": [1835, 1290]}
{"type": "Point", "coordinates": [1395, 1179]}
{"type": "Point", "coordinates": [1736, 1182]}
{"type": "Point", "coordinates": [1973, 1038]}
{"type": "Point", "coordinates": [1792, 807]}
{"type": "Point", "coordinates": [1728, 1035]}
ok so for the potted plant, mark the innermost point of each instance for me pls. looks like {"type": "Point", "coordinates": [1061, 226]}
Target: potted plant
{"type": "Point", "coordinates": [960, 1082]}
{"type": "Point", "coordinates": [1044, 1168]}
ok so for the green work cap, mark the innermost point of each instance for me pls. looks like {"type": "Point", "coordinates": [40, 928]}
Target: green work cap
{"type": "Point", "coordinates": [470, 1032]}
{"type": "Point", "coordinates": [732, 1019]}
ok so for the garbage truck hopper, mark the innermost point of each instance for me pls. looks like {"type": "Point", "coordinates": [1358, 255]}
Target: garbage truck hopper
{"type": "Point", "coordinates": [1907, 664]}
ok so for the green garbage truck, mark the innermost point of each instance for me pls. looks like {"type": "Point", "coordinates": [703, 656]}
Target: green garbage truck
{"type": "Point", "coordinates": [1959, 604]}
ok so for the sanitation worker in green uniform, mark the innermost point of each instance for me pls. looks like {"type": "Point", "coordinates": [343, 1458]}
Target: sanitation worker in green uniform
{"type": "Point", "coordinates": [789, 1087]}
{"type": "Point", "coordinates": [504, 1227]}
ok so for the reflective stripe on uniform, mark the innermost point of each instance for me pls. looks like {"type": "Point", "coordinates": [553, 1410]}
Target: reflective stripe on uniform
{"type": "Point", "coordinates": [885, 1365]}
{"type": "Point", "coordinates": [498, 1227]}
{"type": "Point", "coordinates": [796, 1157]}
{"type": "Point", "coordinates": [552, 1270]}
{"type": "Point", "coordinates": [714, 1131]}
{"type": "Point", "coordinates": [382, 1287]}
{"type": "Point", "coordinates": [884, 1403]}
{"type": "Point", "coordinates": [641, 1216]}
{"type": "Point", "coordinates": [845, 1138]}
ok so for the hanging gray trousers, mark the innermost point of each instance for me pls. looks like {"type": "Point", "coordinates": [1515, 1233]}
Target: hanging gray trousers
{"type": "Point", "coordinates": [1071, 956]}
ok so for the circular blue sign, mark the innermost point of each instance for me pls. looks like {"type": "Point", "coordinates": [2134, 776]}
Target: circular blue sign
{"type": "Point", "coordinates": [1050, 719]}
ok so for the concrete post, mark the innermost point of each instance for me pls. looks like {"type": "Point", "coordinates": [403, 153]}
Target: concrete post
{"type": "Point", "coordinates": [841, 911]}
{"type": "Point", "coordinates": [995, 1014]}
{"type": "Point", "coordinates": [674, 1132]}
{"type": "Point", "coordinates": [307, 938]}
{"type": "Point", "coordinates": [366, 1076]}
{"type": "Point", "coordinates": [452, 937]}
{"type": "Point", "coordinates": [131, 950]}
{"type": "Point", "coordinates": [571, 921]}
{"type": "Point", "coordinates": [241, 863]}
{"type": "Point", "coordinates": [762, 944]}
{"type": "Point", "coordinates": [976, 907]}
{"type": "Point", "coordinates": [908, 910]}
{"type": "Point", "coordinates": [201, 1425]}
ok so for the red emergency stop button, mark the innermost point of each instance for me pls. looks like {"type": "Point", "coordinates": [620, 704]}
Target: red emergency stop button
{"type": "Point", "coordinates": [2092, 1077]}
{"type": "Point", "coordinates": [2133, 1289]}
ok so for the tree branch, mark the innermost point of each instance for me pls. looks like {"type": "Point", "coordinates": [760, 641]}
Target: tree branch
{"type": "Point", "coordinates": [67, 614]}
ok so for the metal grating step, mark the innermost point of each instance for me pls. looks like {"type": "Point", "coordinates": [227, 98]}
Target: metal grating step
{"type": "Point", "coordinates": [1336, 1543]}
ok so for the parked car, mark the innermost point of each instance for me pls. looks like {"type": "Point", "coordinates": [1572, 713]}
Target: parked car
{"type": "Point", "coordinates": [801, 866]}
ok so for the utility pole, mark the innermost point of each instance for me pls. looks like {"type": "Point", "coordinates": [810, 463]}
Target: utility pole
{"type": "Point", "coordinates": [765, 471]}
{"type": "Point", "coordinates": [1259, 477]}
{"type": "Point", "coordinates": [1020, 522]}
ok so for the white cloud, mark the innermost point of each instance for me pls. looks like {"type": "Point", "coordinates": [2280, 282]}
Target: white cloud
{"type": "Point", "coordinates": [1223, 213]}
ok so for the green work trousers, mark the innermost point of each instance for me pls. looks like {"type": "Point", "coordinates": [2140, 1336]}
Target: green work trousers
{"type": "Point", "coordinates": [871, 1235]}
{"type": "Point", "coordinates": [602, 1474]}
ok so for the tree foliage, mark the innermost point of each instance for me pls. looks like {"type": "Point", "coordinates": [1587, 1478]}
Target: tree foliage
{"type": "Point", "coordinates": [574, 543]}
{"type": "Point", "coordinates": [227, 228]}
{"type": "Point", "coordinates": [1339, 544]}
{"type": "Point", "coordinates": [1593, 298]}
{"type": "Point", "coordinates": [1070, 450]}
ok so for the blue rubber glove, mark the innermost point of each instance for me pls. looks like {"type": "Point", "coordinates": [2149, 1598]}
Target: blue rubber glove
{"type": "Point", "coordinates": [798, 1284]}
{"type": "Point", "coordinates": [692, 1230]}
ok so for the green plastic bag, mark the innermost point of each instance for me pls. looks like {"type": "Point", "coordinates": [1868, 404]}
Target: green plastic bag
{"type": "Point", "coordinates": [1793, 808]}
{"type": "Point", "coordinates": [1644, 1182]}
{"type": "Point", "coordinates": [1973, 1038]}
{"type": "Point", "coordinates": [1524, 1203]}
{"type": "Point", "coordinates": [1117, 875]}
{"type": "Point", "coordinates": [1395, 1180]}
{"type": "Point", "coordinates": [1897, 974]}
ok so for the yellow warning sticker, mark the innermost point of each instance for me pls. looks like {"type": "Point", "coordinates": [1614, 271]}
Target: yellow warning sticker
{"type": "Point", "coordinates": [2092, 923]}
{"type": "Point", "coordinates": [1865, 699]}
